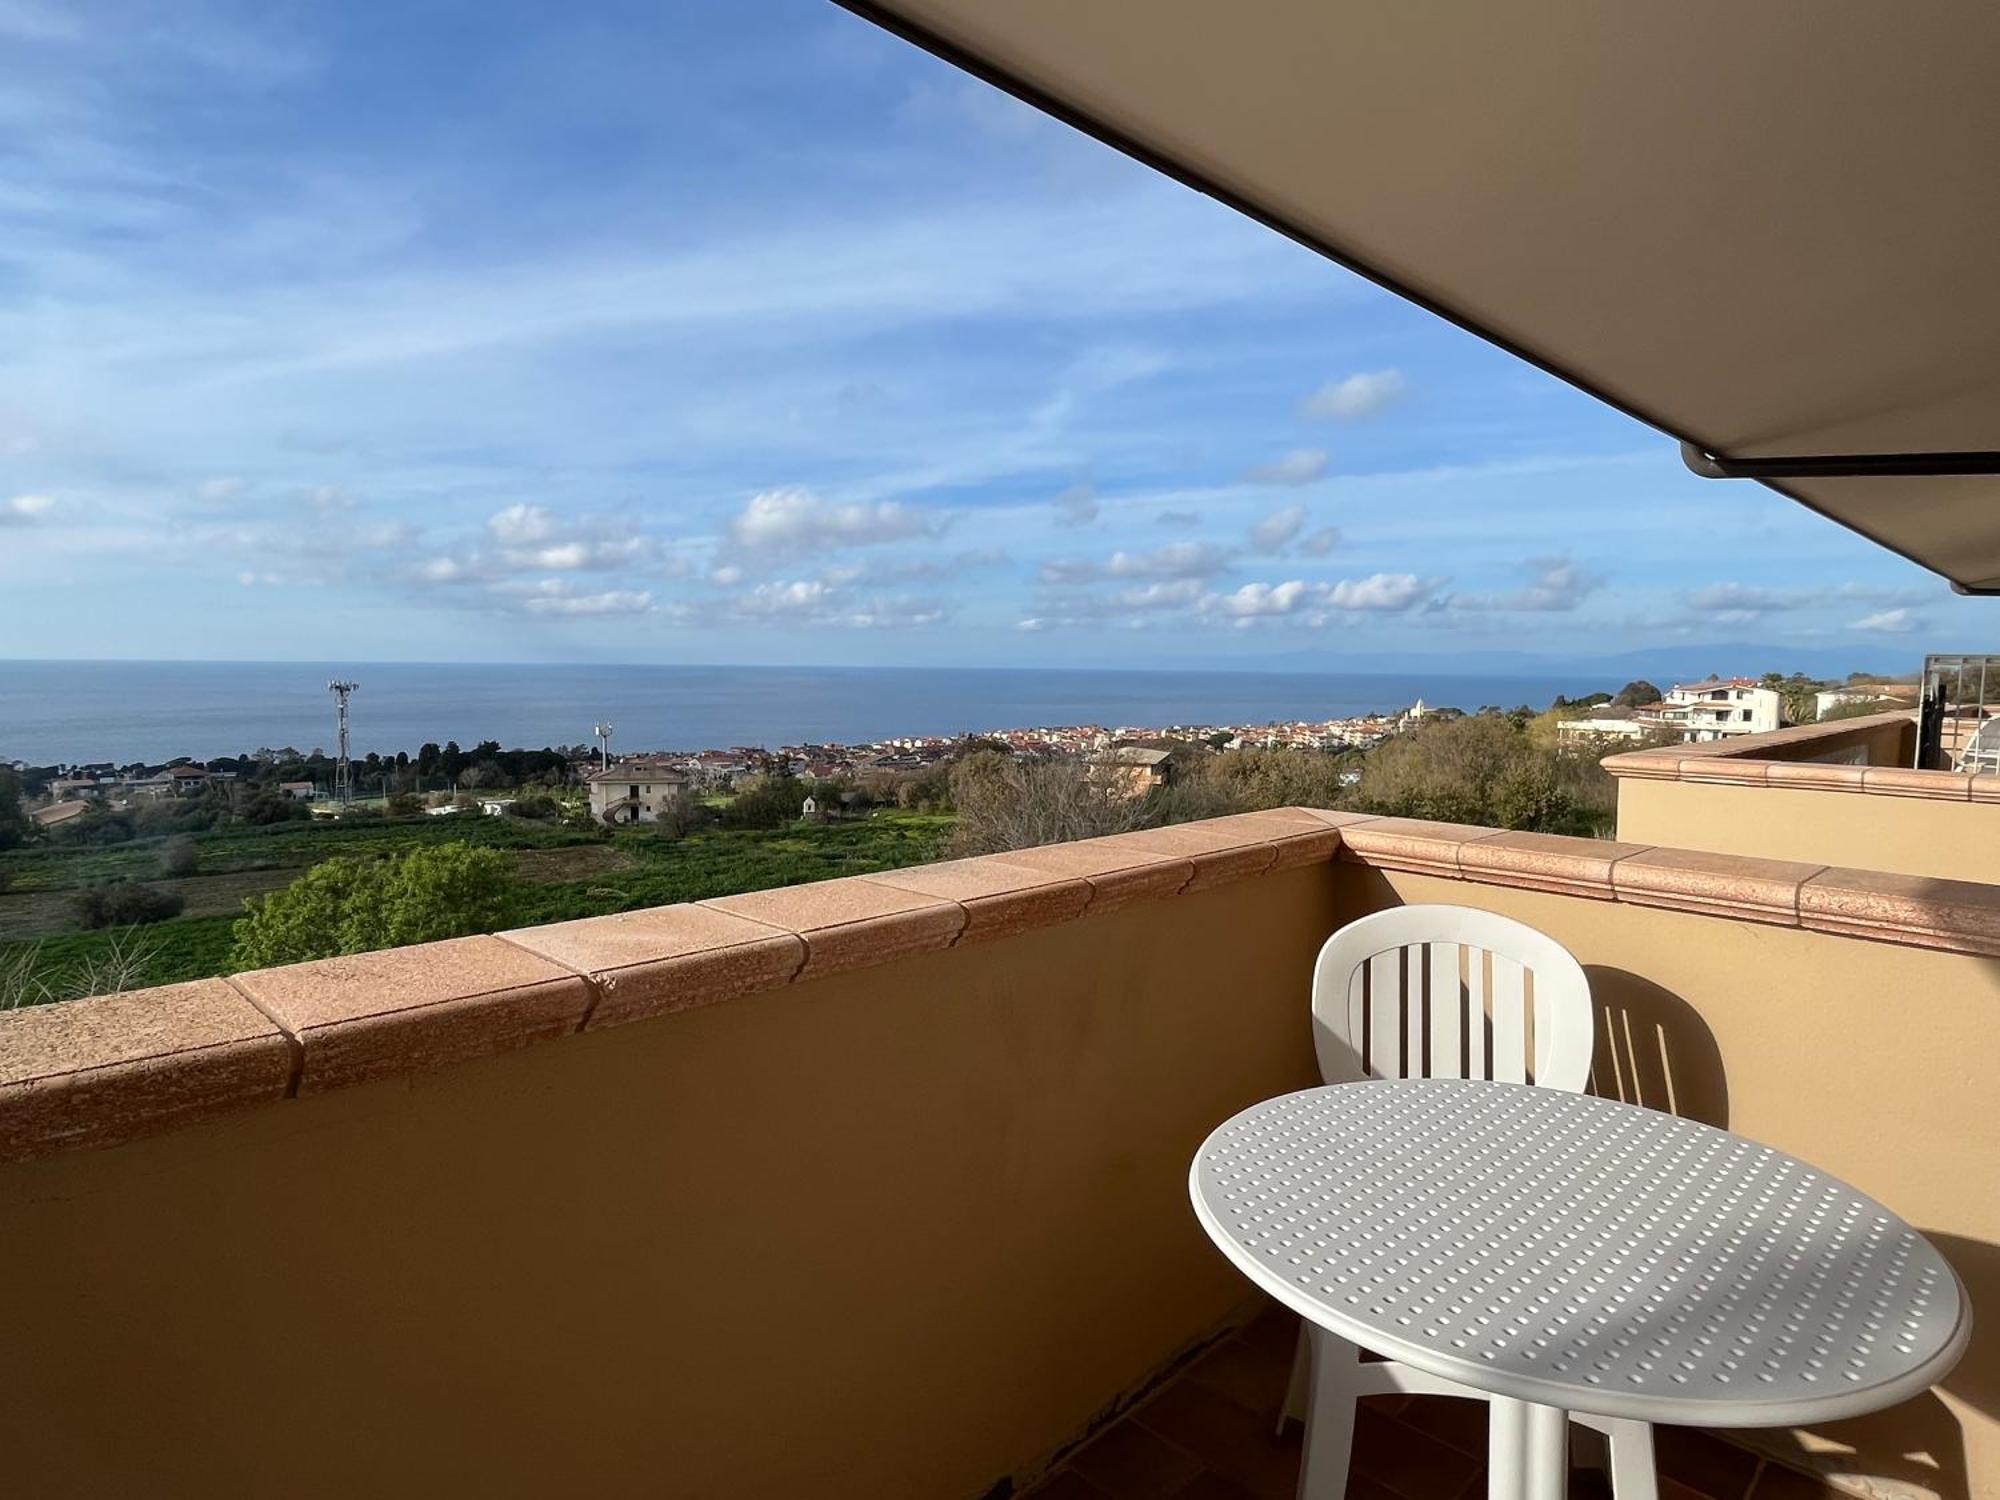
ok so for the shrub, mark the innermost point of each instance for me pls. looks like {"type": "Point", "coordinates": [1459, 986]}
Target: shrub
{"type": "Point", "coordinates": [122, 903]}
{"type": "Point", "coordinates": [275, 807]}
{"type": "Point", "coordinates": [351, 905]}
{"type": "Point", "coordinates": [404, 805]}
{"type": "Point", "coordinates": [1008, 804]}
{"type": "Point", "coordinates": [766, 802]}
{"type": "Point", "coordinates": [538, 807]}
{"type": "Point", "coordinates": [179, 856]}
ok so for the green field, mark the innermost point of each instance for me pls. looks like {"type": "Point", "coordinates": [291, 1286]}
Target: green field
{"type": "Point", "coordinates": [570, 873]}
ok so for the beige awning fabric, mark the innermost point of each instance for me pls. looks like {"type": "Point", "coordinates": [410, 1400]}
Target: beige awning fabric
{"type": "Point", "coordinates": [1769, 229]}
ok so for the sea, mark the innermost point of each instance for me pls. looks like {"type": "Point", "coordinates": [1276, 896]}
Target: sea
{"type": "Point", "coordinates": [90, 711]}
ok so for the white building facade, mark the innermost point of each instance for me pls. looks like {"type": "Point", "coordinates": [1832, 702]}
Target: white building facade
{"type": "Point", "coordinates": [1719, 709]}
{"type": "Point", "coordinates": [633, 791]}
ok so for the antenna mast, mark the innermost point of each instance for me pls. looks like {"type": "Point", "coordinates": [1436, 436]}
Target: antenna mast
{"type": "Point", "coordinates": [343, 769]}
{"type": "Point", "coordinates": [603, 733]}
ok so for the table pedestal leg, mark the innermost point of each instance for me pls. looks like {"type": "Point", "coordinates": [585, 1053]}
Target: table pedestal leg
{"type": "Point", "coordinates": [1527, 1451]}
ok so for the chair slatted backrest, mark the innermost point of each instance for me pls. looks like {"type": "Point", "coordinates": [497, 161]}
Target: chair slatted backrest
{"type": "Point", "coordinates": [1450, 992]}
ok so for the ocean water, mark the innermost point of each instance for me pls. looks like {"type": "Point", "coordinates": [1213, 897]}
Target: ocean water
{"type": "Point", "coordinates": [127, 711]}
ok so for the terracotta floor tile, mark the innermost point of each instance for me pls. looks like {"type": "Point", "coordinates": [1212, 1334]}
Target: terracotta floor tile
{"type": "Point", "coordinates": [1064, 1484]}
{"type": "Point", "coordinates": [1778, 1482]}
{"type": "Point", "coordinates": [1412, 1463]}
{"type": "Point", "coordinates": [1361, 1487]}
{"type": "Point", "coordinates": [1705, 1463]}
{"type": "Point", "coordinates": [1211, 1486]}
{"type": "Point", "coordinates": [1128, 1462]}
{"type": "Point", "coordinates": [1456, 1424]}
{"type": "Point", "coordinates": [1244, 1374]}
{"type": "Point", "coordinates": [1273, 1334]}
{"type": "Point", "coordinates": [1232, 1440]}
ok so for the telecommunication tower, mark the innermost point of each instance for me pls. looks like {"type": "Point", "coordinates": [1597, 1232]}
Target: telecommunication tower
{"type": "Point", "coordinates": [343, 769]}
{"type": "Point", "coordinates": [603, 733]}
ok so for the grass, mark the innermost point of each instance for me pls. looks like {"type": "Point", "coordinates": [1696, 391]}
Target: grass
{"type": "Point", "coordinates": [570, 873]}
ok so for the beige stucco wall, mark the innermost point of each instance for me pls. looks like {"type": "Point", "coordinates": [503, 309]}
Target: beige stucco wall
{"type": "Point", "coordinates": [891, 1233]}
{"type": "Point", "coordinates": [1874, 1061]}
{"type": "Point", "coordinates": [1957, 840]}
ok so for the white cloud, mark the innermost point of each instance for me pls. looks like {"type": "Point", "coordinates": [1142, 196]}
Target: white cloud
{"type": "Point", "coordinates": [1259, 599]}
{"type": "Point", "coordinates": [727, 576]}
{"type": "Point", "coordinates": [1319, 543]}
{"type": "Point", "coordinates": [1557, 585]}
{"type": "Point", "coordinates": [805, 596]}
{"type": "Point", "coordinates": [1175, 560]}
{"type": "Point", "coordinates": [1356, 397]}
{"type": "Point", "coordinates": [1740, 601]}
{"type": "Point", "coordinates": [822, 602]}
{"type": "Point", "coordinates": [523, 524]}
{"type": "Point", "coordinates": [1889, 622]}
{"type": "Point", "coordinates": [1275, 531]}
{"type": "Point", "coordinates": [23, 509]}
{"type": "Point", "coordinates": [1389, 593]}
{"type": "Point", "coordinates": [785, 522]}
{"type": "Point", "coordinates": [1076, 506]}
{"type": "Point", "coordinates": [1300, 466]}
{"type": "Point", "coordinates": [557, 596]}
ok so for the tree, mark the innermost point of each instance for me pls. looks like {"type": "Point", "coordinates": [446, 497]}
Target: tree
{"type": "Point", "coordinates": [15, 825]}
{"type": "Point", "coordinates": [1637, 694]}
{"type": "Point", "coordinates": [1005, 803]}
{"type": "Point", "coordinates": [353, 905]}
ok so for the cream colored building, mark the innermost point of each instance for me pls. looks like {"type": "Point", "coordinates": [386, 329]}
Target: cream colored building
{"type": "Point", "coordinates": [632, 791]}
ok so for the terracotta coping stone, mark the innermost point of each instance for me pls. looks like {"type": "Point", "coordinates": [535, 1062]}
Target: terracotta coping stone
{"type": "Point", "coordinates": [1299, 835]}
{"type": "Point", "coordinates": [1962, 916]}
{"type": "Point", "coordinates": [113, 1068]}
{"type": "Point", "coordinates": [1118, 872]}
{"type": "Point", "coordinates": [1546, 862]}
{"type": "Point", "coordinates": [1644, 765]}
{"type": "Point", "coordinates": [406, 1010]}
{"type": "Point", "coordinates": [1723, 768]}
{"type": "Point", "coordinates": [850, 923]}
{"type": "Point", "coordinates": [1985, 787]}
{"type": "Point", "coordinates": [666, 958]}
{"type": "Point", "coordinates": [1814, 775]}
{"type": "Point", "coordinates": [1000, 897]}
{"type": "Point", "coordinates": [1907, 781]}
{"type": "Point", "coordinates": [1415, 844]}
{"type": "Point", "coordinates": [1218, 855]}
{"type": "Point", "coordinates": [1725, 885]}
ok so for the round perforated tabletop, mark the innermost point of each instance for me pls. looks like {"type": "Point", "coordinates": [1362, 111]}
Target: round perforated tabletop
{"type": "Point", "coordinates": [1579, 1253]}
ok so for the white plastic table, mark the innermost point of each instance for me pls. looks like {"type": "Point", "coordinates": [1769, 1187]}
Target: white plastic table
{"type": "Point", "coordinates": [1567, 1253]}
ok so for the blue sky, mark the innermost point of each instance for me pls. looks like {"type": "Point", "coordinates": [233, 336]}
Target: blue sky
{"type": "Point", "coordinates": [713, 333]}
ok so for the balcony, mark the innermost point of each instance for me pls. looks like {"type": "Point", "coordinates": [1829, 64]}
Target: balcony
{"type": "Point", "coordinates": [877, 1187]}
{"type": "Point", "coordinates": [1840, 793]}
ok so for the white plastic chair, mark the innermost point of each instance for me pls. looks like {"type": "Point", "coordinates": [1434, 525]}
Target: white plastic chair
{"type": "Point", "coordinates": [1440, 992]}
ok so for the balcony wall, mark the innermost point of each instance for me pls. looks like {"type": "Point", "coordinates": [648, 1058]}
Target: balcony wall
{"type": "Point", "coordinates": [869, 1188]}
{"type": "Point", "coordinates": [1842, 793]}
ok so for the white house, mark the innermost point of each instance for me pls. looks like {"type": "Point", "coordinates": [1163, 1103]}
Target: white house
{"type": "Point", "coordinates": [1718, 709]}
{"type": "Point", "coordinates": [1605, 722]}
{"type": "Point", "coordinates": [632, 791]}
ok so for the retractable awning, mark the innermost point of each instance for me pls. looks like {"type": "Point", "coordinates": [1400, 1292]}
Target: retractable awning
{"type": "Point", "coordinates": [1770, 230]}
